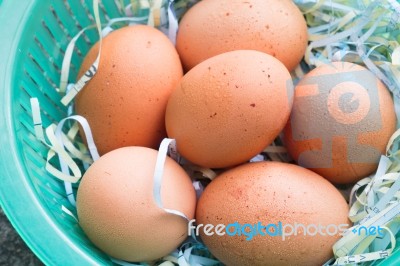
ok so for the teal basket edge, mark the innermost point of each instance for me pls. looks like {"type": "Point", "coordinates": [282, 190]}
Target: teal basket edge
{"type": "Point", "coordinates": [28, 214]}
{"type": "Point", "coordinates": [33, 218]}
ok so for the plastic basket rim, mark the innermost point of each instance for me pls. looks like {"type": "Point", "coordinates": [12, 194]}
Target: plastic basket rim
{"type": "Point", "coordinates": [24, 210]}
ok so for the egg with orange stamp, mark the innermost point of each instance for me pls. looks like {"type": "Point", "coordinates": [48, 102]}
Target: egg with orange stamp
{"type": "Point", "coordinates": [342, 119]}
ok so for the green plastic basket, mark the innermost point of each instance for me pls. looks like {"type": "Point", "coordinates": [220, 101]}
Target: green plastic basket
{"type": "Point", "coordinates": [34, 35]}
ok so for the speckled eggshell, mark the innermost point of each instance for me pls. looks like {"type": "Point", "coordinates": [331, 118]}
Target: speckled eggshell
{"type": "Point", "coordinates": [271, 192]}
{"type": "Point", "coordinates": [125, 101]}
{"type": "Point", "coordinates": [211, 27]}
{"type": "Point", "coordinates": [341, 122]}
{"type": "Point", "coordinates": [229, 108]}
{"type": "Point", "coordinates": [118, 213]}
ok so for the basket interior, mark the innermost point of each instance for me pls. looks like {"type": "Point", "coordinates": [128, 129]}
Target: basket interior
{"type": "Point", "coordinates": [36, 73]}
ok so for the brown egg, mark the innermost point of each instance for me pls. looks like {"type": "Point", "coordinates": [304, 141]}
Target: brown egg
{"type": "Point", "coordinates": [229, 108]}
{"type": "Point", "coordinates": [211, 27]}
{"type": "Point", "coordinates": [125, 101]}
{"type": "Point", "coordinates": [341, 121]}
{"type": "Point", "coordinates": [275, 195]}
{"type": "Point", "coordinates": [117, 210]}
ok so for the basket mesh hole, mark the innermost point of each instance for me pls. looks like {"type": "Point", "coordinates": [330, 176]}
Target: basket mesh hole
{"type": "Point", "coordinates": [88, 11]}
{"type": "Point", "coordinates": [78, 25]}
{"type": "Point", "coordinates": [55, 190]}
{"type": "Point", "coordinates": [36, 50]}
{"type": "Point", "coordinates": [37, 151]}
{"type": "Point", "coordinates": [89, 6]}
{"type": "Point", "coordinates": [42, 84]}
{"type": "Point", "coordinates": [51, 34]}
{"type": "Point", "coordinates": [25, 120]}
{"type": "Point", "coordinates": [44, 51]}
{"type": "Point", "coordinates": [119, 7]}
{"type": "Point", "coordinates": [104, 11]}
{"type": "Point", "coordinates": [60, 24]}
{"type": "Point", "coordinates": [79, 53]}
{"type": "Point", "coordinates": [50, 112]}
{"type": "Point", "coordinates": [52, 83]}
{"type": "Point", "coordinates": [45, 37]}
